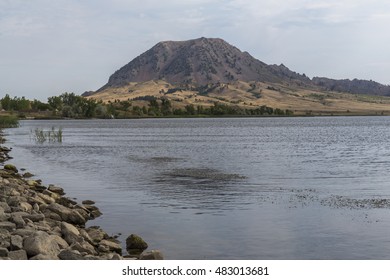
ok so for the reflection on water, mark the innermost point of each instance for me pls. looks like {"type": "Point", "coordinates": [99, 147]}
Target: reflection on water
{"type": "Point", "coordinates": [277, 188]}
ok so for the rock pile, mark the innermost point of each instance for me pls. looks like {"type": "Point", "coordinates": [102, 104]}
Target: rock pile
{"type": "Point", "coordinates": [40, 223]}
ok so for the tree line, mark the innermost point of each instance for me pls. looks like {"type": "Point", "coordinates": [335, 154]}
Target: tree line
{"type": "Point", "coordinates": [70, 105]}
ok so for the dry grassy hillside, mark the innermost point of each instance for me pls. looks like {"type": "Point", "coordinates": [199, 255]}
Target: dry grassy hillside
{"type": "Point", "coordinates": [250, 95]}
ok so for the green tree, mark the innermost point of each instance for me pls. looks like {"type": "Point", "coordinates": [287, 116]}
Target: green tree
{"type": "Point", "coordinates": [166, 107]}
{"type": "Point", "coordinates": [190, 109]}
{"type": "Point", "coordinates": [55, 102]}
{"type": "Point", "coordinates": [6, 102]}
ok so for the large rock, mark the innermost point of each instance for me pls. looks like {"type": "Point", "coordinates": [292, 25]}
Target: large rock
{"type": "Point", "coordinates": [25, 206]}
{"type": "Point", "coordinates": [28, 175]}
{"type": "Point", "coordinates": [56, 189]}
{"type": "Point", "coordinates": [11, 167]}
{"type": "Point", "coordinates": [3, 252]}
{"type": "Point", "coordinates": [66, 201]}
{"type": "Point", "coordinates": [14, 201]}
{"type": "Point", "coordinates": [67, 215]}
{"type": "Point", "coordinates": [41, 243]}
{"type": "Point", "coordinates": [35, 217]}
{"type": "Point", "coordinates": [18, 255]}
{"type": "Point", "coordinates": [19, 221]}
{"type": "Point", "coordinates": [70, 255]}
{"type": "Point", "coordinates": [16, 242]}
{"type": "Point", "coordinates": [88, 202]}
{"type": "Point", "coordinates": [51, 194]}
{"type": "Point", "coordinates": [60, 241]}
{"type": "Point", "coordinates": [3, 216]}
{"type": "Point", "coordinates": [96, 234]}
{"type": "Point", "coordinates": [7, 225]}
{"type": "Point", "coordinates": [47, 199]}
{"type": "Point", "coordinates": [112, 246]}
{"type": "Point", "coordinates": [5, 207]}
{"type": "Point", "coordinates": [5, 238]}
{"type": "Point", "coordinates": [24, 232]}
{"type": "Point", "coordinates": [37, 200]}
{"type": "Point", "coordinates": [151, 255]}
{"type": "Point", "coordinates": [83, 247]}
{"type": "Point", "coordinates": [93, 210]}
{"type": "Point", "coordinates": [70, 233]}
{"type": "Point", "coordinates": [84, 234]}
{"type": "Point", "coordinates": [44, 257]}
{"type": "Point", "coordinates": [135, 244]}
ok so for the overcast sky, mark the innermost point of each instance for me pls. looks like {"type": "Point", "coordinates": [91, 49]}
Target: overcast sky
{"type": "Point", "coordinates": [48, 47]}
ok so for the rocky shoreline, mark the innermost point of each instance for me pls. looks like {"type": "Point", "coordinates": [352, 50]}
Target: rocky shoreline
{"type": "Point", "coordinates": [41, 223]}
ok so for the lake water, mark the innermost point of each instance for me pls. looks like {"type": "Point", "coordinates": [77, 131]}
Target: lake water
{"type": "Point", "coordinates": [245, 188]}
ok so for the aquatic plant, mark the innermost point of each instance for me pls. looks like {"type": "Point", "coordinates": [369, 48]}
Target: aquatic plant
{"type": "Point", "coordinates": [53, 135]}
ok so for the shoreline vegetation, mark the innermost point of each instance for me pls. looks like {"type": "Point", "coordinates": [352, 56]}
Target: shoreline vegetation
{"type": "Point", "coordinates": [39, 222]}
{"type": "Point", "coordinates": [72, 106]}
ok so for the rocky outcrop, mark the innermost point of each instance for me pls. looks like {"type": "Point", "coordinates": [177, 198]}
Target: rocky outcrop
{"type": "Point", "coordinates": [40, 223]}
{"type": "Point", "coordinates": [211, 61]}
{"type": "Point", "coordinates": [199, 62]}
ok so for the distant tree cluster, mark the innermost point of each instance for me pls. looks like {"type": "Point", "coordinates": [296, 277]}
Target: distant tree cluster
{"type": "Point", "coordinates": [20, 104]}
{"type": "Point", "coordinates": [70, 105]}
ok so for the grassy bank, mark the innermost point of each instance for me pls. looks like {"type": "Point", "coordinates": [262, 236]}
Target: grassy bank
{"type": "Point", "coordinates": [8, 121]}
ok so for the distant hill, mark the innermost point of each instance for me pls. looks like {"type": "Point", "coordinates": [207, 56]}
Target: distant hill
{"type": "Point", "coordinates": [209, 61]}
{"type": "Point", "coordinates": [204, 71]}
{"type": "Point", "coordinates": [352, 86]}
{"type": "Point", "coordinates": [199, 62]}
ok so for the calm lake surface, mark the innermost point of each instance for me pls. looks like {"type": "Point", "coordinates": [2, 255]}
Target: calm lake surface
{"type": "Point", "coordinates": [245, 188]}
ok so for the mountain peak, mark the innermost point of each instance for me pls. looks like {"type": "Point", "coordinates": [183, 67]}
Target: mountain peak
{"type": "Point", "coordinates": [204, 61]}
{"type": "Point", "coordinates": [198, 61]}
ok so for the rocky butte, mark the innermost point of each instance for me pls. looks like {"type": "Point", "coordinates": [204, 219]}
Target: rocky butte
{"type": "Point", "coordinates": [203, 71]}
{"type": "Point", "coordinates": [212, 60]}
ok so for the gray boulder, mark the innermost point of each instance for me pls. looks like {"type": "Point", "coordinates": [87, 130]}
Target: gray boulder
{"type": "Point", "coordinates": [60, 241]}
{"type": "Point", "coordinates": [56, 189]}
{"type": "Point", "coordinates": [151, 255]}
{"type": "Point", "coordinates": [3, 253]}
{"type": "Point", "coordinates": [41, 243]}
{"type": "Point", "coordinates": [44, 257]}
{"type": "Point", "coordinates": [112, 246]}
{"type": "Point", "coordinates": [83, 247]}
{"type": "Point", "coordinates": [18, 255]}
{"type": "Point", "coordinates": [7, 225]}
{"type": "Point", "coordinates": [70, 233]}
{"type": "Point", "coordinates": [16, 242]}
{"type": "Point", "coordinates": [67, 215]}
{"type": "Point", "coordinates": [96, 234]}
{"type": "Point", "coordinates": [70, 255]}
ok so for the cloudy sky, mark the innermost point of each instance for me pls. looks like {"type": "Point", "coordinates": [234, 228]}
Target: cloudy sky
{"type": "Point", "coordinates": [48, 47]}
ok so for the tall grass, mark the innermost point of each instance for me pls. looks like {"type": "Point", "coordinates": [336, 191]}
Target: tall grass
{"type": "Point", "coordinates": [53, 135]}
{"type": "Point", "coordinates": [8, 121]}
